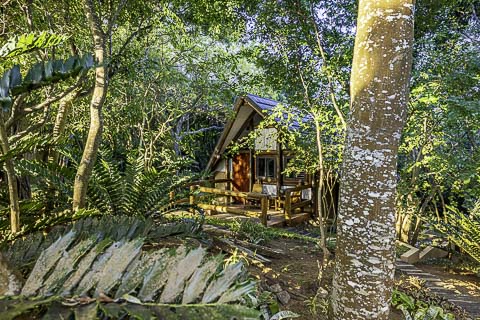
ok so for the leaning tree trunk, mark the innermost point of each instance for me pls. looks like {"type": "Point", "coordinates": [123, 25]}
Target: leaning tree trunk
{"type": "Point", "coordinates": [11, 180]}
{"type": "Point", "coordinates": [364, 268]}
{"type": "Point", "coordinates": [94, 138]}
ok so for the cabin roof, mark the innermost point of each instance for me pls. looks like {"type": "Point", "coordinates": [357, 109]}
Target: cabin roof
{"type": "Point", "coordinates": [267, 105]}
{"type": "Point", "coordinates": [263, 103]}
{"type": "Point", "coordinates": [244, 107]}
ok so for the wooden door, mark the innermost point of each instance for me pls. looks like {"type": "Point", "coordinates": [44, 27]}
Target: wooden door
{"type": "Point", "coordinates": [241, 172]}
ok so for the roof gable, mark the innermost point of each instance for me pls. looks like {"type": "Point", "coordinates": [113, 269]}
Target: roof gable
{"type": "Point", "coordinates": [245, 107]}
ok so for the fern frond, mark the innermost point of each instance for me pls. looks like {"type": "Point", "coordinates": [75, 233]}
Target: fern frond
{"type": "Point", "coordinates": [463, 229]}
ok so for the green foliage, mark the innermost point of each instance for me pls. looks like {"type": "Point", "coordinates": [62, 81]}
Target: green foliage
{"type": "Point", "coordinates": [253, 232]}
{"type": "Point", "coordinates": [258, 232]}
{"type": "Point", "coordinates": [40, 75]}
{"type": "Point", "coordinates": [55, 308]}
{"type": "Point", "coordinates": [307, 61]}
{"type": "Point", "coordinates": [133, 189]}
{"type": "Point", "coordinates": [113, 243]}
{"type": "Point", "coordinates": [462, 229]}
{"type": "Point", "coordinates": [439, 155]}
{"type": "Point", "coordinates": [117, 187]}
{"type": "Point", "coordinates": [29, 42]}
{"type": "Point", "coordinates": [21, 251]}
{"type": "Point", "coordinates": [414, 309]}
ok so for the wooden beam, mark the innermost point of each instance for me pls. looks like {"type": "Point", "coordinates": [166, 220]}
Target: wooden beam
{"type": "Point", "coordinates": [278, 160]}
{"type": "Point", "coordinates": [288, 206]}
{"type": "Point", "coordinates": [244, 126]}
{"type": "Point", "coordinates": [208, 181]}
{"type": "Point", "coordinates": [216, 153]}
{"type": "Point", "coordinates": [239, 194]}
{"type": "Point", "coordinates": [252, 160]}
{"type": "Point", "coordinates": [299, 188]}
{"type": "Point", "coordinates": [300, 204]}
{"type": "Point", "coordinates": [228, 209]}
{"type": "Point", "coordinates": [229, 177]}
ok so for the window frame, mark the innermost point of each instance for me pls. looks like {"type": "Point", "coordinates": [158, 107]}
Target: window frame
{"type": "Point", "coordinates": [265, 176]}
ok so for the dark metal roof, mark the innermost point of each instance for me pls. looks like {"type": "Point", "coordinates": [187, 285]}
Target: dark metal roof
{"type": "Point", "coordinates": [268, 105]}
{"type": "Point", "coordinates": [263, 103]}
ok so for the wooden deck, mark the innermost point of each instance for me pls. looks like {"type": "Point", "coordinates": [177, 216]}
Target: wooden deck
{"type": "Point", "coordinates": [288, 209]}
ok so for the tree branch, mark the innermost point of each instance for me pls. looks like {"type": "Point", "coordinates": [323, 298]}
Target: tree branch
{"type": "Point", "coordinates": [16, 115]}
{"type": "Point", "coordinates": [328, 73]}
{"type": "Point", "coordinates": [200, 131]}
{"type": "Point", "coordinates": [31, 128]}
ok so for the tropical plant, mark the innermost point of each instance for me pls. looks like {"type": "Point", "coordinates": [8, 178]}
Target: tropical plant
{"type": "Point", "coordinates": [28, 42]}
{"type": "Point", "coordinates": [463, 229]}
{"type": "Point", "coordinates": [417, 309]}
{"type": "Point", "coordinates": [439, 155]}
{"type": "Point", "coordinates": [102, 258]}
{"type": "Point", "coordinates": [14, 91]}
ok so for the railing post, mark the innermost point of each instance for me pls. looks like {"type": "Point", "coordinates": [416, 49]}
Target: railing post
{"type": "Point", "coordinates": [264, 206]}
{"type": "Point", "coordinates": [288, 204]}
{"type": "Point", "coordinates": [192, 197]}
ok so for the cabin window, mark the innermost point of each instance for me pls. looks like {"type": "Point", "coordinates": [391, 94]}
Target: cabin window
{"type": "Point", "coordinates": [266, 167]}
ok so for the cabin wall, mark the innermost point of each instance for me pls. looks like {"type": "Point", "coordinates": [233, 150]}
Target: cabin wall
{"type": "Point", "coordinates": [220, 172]}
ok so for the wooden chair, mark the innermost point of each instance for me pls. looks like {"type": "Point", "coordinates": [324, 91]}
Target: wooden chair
{"type": "Point", "coordinates": [257, 188]}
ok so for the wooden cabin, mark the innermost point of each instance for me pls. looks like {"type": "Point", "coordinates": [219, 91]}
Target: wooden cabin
{"type": "Point", "coordinates": [255, 175]}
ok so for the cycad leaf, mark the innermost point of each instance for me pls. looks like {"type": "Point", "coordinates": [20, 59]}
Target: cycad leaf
{"type": "Point", "coordinates": [45, 263]}
{"type": "Point", "coordinates": [218, 286]}
{"type": "Point", "coordinates": [179, 275]}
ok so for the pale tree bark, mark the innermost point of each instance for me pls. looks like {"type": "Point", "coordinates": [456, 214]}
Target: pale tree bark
{"type": "Point", "coordinates": [94, 137]}
{"type": "Point", "coordinates": [364, 267]}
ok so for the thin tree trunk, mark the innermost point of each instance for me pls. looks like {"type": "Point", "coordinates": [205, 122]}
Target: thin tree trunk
{"type": "Point", "coordinates": [318, 132]}
{"type": "Point", "coordinates": [365, 255]}
{"type": "Point", "coordinates": [94, 137]}
{"type": "Point", "coordinates": [328, 73]}
{"type": "Point", "coordinates": [64, 107]}
{"type": "Point", "coordinates": [320, 204]}
{"type": "Point", "coordinates": [11, 180]}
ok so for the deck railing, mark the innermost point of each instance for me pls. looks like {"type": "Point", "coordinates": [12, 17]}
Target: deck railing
{"type": "Point", "coordinates": [290, 206]}
{"type": "Point", "coordinates": [263, 198]}
{"type": "Point", "coordinates": [290, 199]}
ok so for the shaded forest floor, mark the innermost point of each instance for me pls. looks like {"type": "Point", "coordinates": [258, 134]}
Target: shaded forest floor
{"type": "Point", "coordinates": [463, 282]}
{"type": "Point", "coordinates": [296, 273]}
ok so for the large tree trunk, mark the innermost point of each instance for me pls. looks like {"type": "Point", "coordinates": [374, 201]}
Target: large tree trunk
{"type": "Point", "coordinates": [364, 266]}
{"type": "Point", "coordinates": [94, 138]}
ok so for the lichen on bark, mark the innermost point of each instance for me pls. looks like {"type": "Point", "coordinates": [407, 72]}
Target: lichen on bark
{"type": "Point", "coordinates": [364, 266]}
